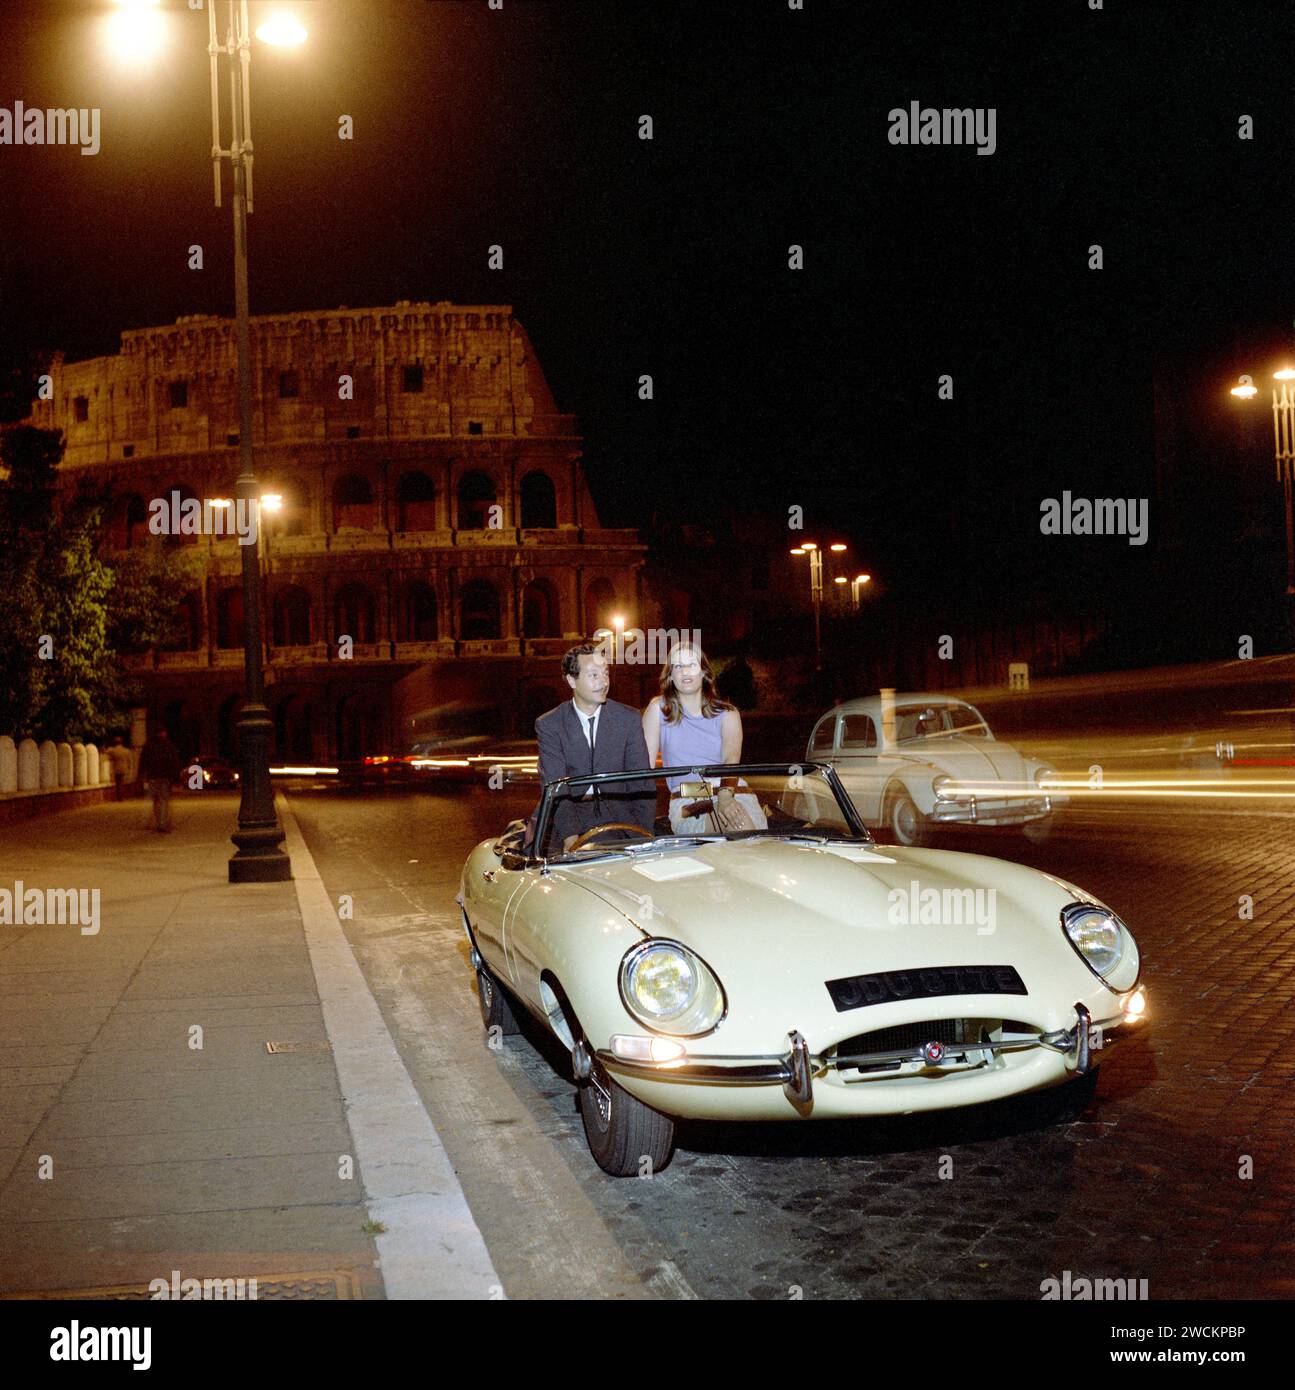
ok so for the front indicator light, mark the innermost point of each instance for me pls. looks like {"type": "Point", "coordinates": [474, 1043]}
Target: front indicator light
{"type": "Point", "coordinates": [662, 1051]}
{"type": "Point", "coordinates": [1135, 1007]}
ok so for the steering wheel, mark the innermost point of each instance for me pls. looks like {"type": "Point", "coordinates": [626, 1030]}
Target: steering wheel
{"type": "Point", "coordinates": [589, 835]}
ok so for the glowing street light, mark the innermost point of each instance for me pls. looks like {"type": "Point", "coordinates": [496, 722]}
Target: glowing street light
{"type": "Point", "coordinates": [136, 31]}
{"type": "Point", "coordinates": [811, 549]}
{"type": "Point", "coordinates": [1284, 449]}
{"type": "Point", "coordinates": [282, 31]}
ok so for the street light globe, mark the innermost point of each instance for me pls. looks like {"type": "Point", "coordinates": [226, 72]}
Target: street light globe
{"type": "Point", "coordinates": [135, 32]}
{"type": "Point", "coordinates": [1286, 374]}
{"type": "Point", "coordinates": [838, 546]}
{"type": "Point", "coordinates": [840, 579]}
{"type": "Point", "coordinates": [863, 578]}
{"type": "Point", "coordinates": [1245, 390]}
{"type": "Point", "coordinates": [799, 550]}
{"type": "Point", "coordinates": [282, 31]}
{"type": "Point", "coordinates": [808, 545]}
{"type": "Point", "coordinates": [272, 502]}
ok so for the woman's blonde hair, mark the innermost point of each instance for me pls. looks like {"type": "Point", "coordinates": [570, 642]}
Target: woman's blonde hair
{"type": "Point", "coordinates": [671, 706]}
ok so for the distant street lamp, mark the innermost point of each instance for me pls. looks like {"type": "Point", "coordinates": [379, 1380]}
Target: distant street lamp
{"type": "Point", "coordinates": [1284, 437]}
{"type": "Point", "coordinates": [811, 549]}
{"type": "Point", "coordinates": [856, 587]}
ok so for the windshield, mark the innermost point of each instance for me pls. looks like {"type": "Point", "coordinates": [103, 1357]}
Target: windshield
{"type": "Point", "coordinates": [716, 803]}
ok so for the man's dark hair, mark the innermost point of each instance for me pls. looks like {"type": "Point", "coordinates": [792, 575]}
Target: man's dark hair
{"type": "Point", "coordinates": [571, 659]}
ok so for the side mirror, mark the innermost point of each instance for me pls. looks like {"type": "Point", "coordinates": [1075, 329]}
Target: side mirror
{"type": "Point", "coordinates": [510, 859]}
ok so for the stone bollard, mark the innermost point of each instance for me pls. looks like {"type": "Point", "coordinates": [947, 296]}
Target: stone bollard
{"type": "Point", "coordinates": [92, 777]}
{"type": "Point", "coordinates": [48, 765]}
{"type": "Point", "coordinates": [28, 766]}
{"type": "Point", "coordinates": [64, 764]}
{"type": "Point", "coordinates": [78, 765]}
{"type": "Point", "coordinates": [8, 765]}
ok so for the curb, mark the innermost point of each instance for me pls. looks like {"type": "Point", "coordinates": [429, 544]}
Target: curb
{"type": "Point", "coordinates": [432, 1247]}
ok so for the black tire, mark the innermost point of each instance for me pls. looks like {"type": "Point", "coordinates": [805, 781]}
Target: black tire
{"type": "Point", "coordinates": [1036, 831]}
{"type": "Point", "coordinates": [496, 1011]}
{"type": "Point", "coordinates": [621, 1131]}
{"type": "Point", "coordinates": [905, 824]}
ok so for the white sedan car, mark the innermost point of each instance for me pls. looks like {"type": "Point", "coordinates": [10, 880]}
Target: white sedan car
{"type": "Point", "coordinates": [791, 971]}
{"type": "Point", "coordinates": [912, 763]}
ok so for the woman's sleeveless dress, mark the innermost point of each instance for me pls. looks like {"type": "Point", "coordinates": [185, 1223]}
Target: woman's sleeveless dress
{"type": "Point", "coordinates": [698, 741]}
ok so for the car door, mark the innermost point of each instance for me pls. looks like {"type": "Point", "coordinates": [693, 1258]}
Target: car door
{"type": "Point", "coordinates": [499, 879]}
{"type": "Point", "coordinates": [856, 759]}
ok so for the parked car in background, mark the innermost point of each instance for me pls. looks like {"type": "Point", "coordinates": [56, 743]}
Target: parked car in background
{"type": "Point", "coordinates": [913, 763]}
{"type": "Point", "coordinates": [217, 773]}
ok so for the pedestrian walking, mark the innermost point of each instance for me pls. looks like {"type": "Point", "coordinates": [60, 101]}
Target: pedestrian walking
{"type": "Point", "coordinates": [159, 766]}
{"type": "Point", "coordinates": [119, 765]}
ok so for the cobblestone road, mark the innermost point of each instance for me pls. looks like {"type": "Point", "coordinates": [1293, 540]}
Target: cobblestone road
{"type": "Point", "coordinates": [1148, 1184]}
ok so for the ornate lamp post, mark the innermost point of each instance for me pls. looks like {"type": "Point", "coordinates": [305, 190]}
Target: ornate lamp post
{"type": "Point", "coordinates": [259, 857]}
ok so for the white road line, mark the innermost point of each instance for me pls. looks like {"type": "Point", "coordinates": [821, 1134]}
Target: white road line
{"type": "Point", "coordinates": [432, 1247]}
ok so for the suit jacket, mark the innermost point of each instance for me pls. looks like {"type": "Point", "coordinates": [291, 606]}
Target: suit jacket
{"type": "Point", "coordinates": [619, 747]}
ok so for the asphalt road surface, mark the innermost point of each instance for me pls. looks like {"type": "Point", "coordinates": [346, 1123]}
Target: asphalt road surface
{"type": "Point", "coordinates": [1179, 1172]}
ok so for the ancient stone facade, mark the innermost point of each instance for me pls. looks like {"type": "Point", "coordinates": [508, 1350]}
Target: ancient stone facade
{"type": "Point", "coordinates": [434, 511]}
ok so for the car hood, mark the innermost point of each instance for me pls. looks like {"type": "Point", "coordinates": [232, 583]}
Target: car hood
{"type": "Point", "coordinates": [776, 920]}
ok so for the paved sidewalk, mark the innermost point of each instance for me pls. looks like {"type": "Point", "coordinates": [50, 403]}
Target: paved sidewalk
{"type": "Point", "coordinates": [134, 1074]}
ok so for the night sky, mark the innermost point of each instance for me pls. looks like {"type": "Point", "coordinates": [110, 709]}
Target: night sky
{"type": "Point", "coordinates": [816, 387]}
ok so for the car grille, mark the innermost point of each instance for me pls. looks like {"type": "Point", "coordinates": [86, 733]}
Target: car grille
{"type": "Point", "coordinates": [943, 1030]}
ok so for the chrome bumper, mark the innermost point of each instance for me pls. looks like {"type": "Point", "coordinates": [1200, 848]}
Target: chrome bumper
{"type": "Point", "coordinates": [796, 1069]}
{"type": "Point", "coordinates": [971, 810]}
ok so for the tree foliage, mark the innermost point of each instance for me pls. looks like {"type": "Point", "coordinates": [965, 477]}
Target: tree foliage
{"type": "Point", "coordinates": [68, 608]}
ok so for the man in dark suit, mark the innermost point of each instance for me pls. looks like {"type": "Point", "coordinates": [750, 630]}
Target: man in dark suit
{"type": "Point", "coordinates": [590, 733]}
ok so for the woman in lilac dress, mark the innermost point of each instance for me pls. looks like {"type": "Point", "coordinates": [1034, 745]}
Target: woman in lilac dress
{"type": "Point", "coordinates": [690, 726]}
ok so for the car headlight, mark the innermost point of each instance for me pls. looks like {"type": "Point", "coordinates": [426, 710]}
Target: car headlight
{"type": "Point", "coordinates": [670, 989]}
{"type": "Point", "coordinates": [1104, 944]}
{"type": "Point", "coordinates": [939, 784]}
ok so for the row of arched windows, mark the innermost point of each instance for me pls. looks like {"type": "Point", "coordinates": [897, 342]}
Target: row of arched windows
{"type": "Point", "coordinates": [353, 506]}
{"type": "Point", "coordinates": [355, 613]}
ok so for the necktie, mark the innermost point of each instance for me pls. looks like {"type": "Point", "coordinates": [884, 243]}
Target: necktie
{"type": "Point", "coordinates": [593, 729]}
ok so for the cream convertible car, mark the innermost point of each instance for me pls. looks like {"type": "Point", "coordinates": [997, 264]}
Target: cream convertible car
{"type": "Point", "coordinates": [790, 972]}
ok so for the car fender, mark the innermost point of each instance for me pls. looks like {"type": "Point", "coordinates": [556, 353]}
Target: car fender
{"type": "Point", "coordinates": [916, 782]}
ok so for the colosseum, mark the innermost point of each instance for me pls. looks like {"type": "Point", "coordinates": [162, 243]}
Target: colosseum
{"type": "Point", "coordinates": [434, 510]}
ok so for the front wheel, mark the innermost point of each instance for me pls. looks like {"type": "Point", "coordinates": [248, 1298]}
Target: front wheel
{"type": "Point", "coordinates": [904, 822]}
{"type": "Point", "coordinates": [626, 1138]}
{"type": "Point", "coordinates": [496, 1011]}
